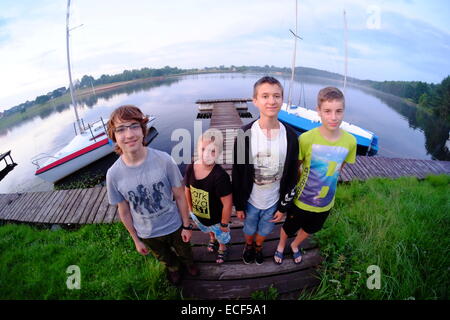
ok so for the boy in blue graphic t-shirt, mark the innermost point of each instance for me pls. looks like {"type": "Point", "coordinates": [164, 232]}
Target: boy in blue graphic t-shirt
{"type": "Point", "coordinates": [323, 153]}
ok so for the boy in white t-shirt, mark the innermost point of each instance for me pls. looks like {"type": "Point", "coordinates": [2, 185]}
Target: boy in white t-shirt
{"type": "Point", "coordinates": [264, 170]}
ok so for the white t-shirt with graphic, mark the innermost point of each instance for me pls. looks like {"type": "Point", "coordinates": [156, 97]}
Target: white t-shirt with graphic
{"type": "Point", "coordinates": [269, 156]}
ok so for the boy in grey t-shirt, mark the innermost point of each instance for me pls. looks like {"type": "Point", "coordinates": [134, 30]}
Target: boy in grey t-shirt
{"type": "Point", "coordinates": [143, 183]}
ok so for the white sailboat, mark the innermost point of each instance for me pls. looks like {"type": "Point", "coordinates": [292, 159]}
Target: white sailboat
{"type": "Point", "coordinates": [89, 144]}
{"type": "Point", "coordinates": [303, 119]}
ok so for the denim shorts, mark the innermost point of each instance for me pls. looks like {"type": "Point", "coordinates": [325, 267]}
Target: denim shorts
{"type": "Point", "coordinates": [222, 237]}
{"type": "Point", "coordinates": [257, 220]}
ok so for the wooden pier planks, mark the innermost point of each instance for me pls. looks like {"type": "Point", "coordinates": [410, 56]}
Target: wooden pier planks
{"type": "Point", "coordinates": [83, 206]}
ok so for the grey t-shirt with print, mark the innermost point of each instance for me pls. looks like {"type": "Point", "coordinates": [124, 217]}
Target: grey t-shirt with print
{"type": "Point", "coordinates": [148, 190]}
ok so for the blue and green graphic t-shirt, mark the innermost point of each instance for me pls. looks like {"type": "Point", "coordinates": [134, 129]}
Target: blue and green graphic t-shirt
{"type": "Point", "coordinates": [321, 164]}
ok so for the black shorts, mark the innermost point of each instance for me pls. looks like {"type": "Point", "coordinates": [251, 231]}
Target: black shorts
{"type": "Point", "coordinates": [297, 219]}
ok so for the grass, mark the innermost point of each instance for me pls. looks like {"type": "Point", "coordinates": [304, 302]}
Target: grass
{"type": "Point", "coordinates": [34, 264]}
{"type": "Point", "coordinates": [400, 225]}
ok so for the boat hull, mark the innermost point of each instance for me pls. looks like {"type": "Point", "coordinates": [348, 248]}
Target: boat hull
{"type": "Point", "coordinates": [365, 145]}
{"type": "Point", "coordinates": [66, 166]}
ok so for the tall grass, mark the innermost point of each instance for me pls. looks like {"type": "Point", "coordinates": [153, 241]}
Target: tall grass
{"type": "Point", "coordinates": [401, 226]}
{"type": "Point", "coordinates": [34, 264]}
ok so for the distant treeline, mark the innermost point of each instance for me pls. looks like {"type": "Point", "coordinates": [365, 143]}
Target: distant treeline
{"type": "Point", "coordinates": [128, 75]}
{"type": "Point", "coordinates": [436, 97]}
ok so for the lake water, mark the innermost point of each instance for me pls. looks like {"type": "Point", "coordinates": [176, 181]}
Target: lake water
{"type": "Point", "coordinates": [403, 131]}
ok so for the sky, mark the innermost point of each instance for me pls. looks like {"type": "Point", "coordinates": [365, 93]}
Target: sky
{"type": "Point", "coordinates": [387, 40]}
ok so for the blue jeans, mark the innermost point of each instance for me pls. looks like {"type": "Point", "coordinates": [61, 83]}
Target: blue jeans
{"type": "Point", "coordinates": [257, 220]}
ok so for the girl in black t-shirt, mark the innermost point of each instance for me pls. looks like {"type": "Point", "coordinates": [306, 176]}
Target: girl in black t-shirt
{"type": "Point", "coordinates": [209, 194]}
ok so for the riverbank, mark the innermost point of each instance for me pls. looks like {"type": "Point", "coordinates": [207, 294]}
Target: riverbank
{"type": "Point", "coordinates": [64, 101]}
{"type": "Point", "coordinates": [379, 222]}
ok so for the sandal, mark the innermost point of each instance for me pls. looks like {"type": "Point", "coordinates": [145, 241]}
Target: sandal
{"type": "Point", "coordinates": [221, 256]}
{"type": "Point", "coordinates": [279, 255]}
{"type": "Point", "coordinates": [297, 255]}
{"type": "Point", "coordinates": [212, 246]}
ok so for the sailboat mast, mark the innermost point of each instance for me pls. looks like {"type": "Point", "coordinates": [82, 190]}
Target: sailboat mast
{"type": "Point", "coordinates": [293, 61]}
{"type": "Point", "coordinates": [346, 52]}
{"type": "Point", "coordinates": [68, 66]}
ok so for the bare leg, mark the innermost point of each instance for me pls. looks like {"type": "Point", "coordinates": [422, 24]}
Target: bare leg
{"type": "Point", "coordinates": [259, 240]}
{"type": "Point", "coordinates": [281, 244]}
{"type": "Point", "coordinates": [249, 240]}
{"type": "Point", "coordinates": [301, 236]}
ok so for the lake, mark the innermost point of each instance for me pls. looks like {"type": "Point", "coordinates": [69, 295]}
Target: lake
{"type": "Point", "coordinates": [403, 131]}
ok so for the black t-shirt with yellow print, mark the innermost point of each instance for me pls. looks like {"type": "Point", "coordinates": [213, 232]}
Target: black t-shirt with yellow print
{"type": "Point", "coordinates": [206, 193]}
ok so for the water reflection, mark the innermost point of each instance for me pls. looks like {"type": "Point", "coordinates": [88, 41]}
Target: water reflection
{"type": "Point", "coordinates": [404, 131]}
{"type": "Point", "coordinates": [436, 130]}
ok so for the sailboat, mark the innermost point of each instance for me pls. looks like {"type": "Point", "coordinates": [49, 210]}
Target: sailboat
{"type": "Point", "coordinates": [90, 143]}
{"type": "Point", "coordinates": [303, 119]}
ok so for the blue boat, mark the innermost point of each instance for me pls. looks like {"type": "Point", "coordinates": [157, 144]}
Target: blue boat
{"type": "Point", "coordinates": [302, 119]}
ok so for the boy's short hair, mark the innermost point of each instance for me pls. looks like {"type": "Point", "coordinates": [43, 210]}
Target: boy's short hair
{"type": "Point", "coordinates": [266, 79]}
{"type": "Point", "coordinates": [330, 94]}
{"type": "Point", "coordinates": [126, 113]}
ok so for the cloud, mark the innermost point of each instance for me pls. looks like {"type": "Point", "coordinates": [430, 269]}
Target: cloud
{"type": "Point", "coordinates": [118, 35]}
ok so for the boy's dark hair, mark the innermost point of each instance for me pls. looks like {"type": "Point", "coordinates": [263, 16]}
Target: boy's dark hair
{"type": "Point", "coordinates": [126, 113]}
{"type": "Point", "coordinates": [266, 79]}
{"type": "Point", "coordinates": [330, 94]}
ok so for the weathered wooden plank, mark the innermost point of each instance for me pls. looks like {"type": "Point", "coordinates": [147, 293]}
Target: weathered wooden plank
{"type": "Point", "coordinates": [35, 207]}
{"type": "Point", "coordinates": [101, 212]}
{"type": "Point", "coordinates": [422, 168]}
{"type": "Point", "coordinates": [239, 270]}
{"type": "Point", "coordinates": [202, 255]}
{"type": "Point", "coordinates": [46, 217]}
{"type": "Point", "coordinates": [92, 201]}
{"type": "Point", "coordinates": [8, 200]}
{"type": "Point", "coordinates": [17, 209]}
{"type": "Point", "coordinates": [69, 205]}
{"type": "Point", "coordinates": [61, 207]}
{"type": "Point", "coordinates": [80, 209]}
{"type": "Point", "coordinates": [414, 168]}
{"type": "Point", "coordinates": [75, 207]}
{"type": "Point", "coordinates": [243, 288]}
{"type": "Point", "coordinates": [375, 161]}
{"type": "Point", "coordinates": [30, 207]}
{"type": "Point", "coordinates": [45, 209]}
{"type": "Point", "coordinates": [431, 167]}
{"type": "Point", "coordinates": [110, 213]}
{"type": "Point", "coordinates": [43, 202]}
{"type": "Point", "coordinates": [96, 206]}
{"type": "Point", "coordinates": [12, 207]}
{"type": "Point", "coordinates": [357, 170]}
{"type": "Point", "coordinates": [349, 171]}
{"type": "Point", "coordinates": [368, 174]}
{"type": "Point", "coordinates": [4, 200]}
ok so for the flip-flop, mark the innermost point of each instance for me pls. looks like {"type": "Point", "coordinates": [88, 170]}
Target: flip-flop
{"type": "Point", "coordinates": [222, 255]}
{"type": "Point", "coordinates": [297, 255]}
{"type": "Point", "coordinates": [279, 255]}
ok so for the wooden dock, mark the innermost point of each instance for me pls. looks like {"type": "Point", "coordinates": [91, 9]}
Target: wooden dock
{"type": "Point", "coordinates": [86, 206]}
{"type": "Point", "coordinates": [233, 279]}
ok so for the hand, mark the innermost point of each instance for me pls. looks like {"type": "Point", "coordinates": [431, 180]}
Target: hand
{"type": "Point", "coordinates": [277, 217]}
{"type": "Point", "coordinates": [141, 248]}
{"type": "Point", "coordinates": [186, 235]}
{"type": "Point", "coordinates": [225, 229]}
{"type": "Point", "coordinates": [240, 214]}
